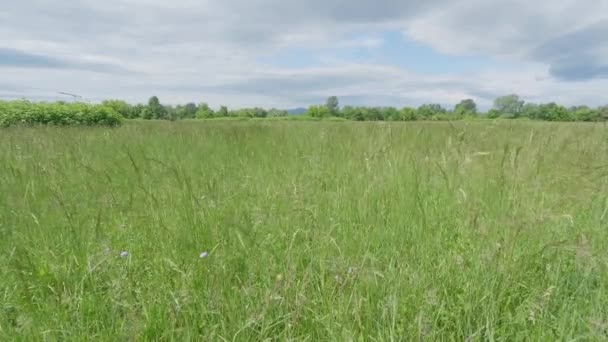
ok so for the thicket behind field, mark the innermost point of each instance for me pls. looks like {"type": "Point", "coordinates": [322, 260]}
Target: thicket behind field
{"type": "Point", "coordinates": [319, 231]}
{"type": "Point", "coordinates": [26, 113]}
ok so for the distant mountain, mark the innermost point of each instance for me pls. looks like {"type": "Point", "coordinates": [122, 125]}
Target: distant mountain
{"type": "Point", "coordinates": [296, 111]}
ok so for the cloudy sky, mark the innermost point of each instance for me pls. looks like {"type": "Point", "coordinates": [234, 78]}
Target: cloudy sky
{"type": "Point", "coordinates": [290, 53]}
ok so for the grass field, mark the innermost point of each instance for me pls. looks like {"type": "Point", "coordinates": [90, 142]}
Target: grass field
{"type": "Point", "coordinates": [313, 231]}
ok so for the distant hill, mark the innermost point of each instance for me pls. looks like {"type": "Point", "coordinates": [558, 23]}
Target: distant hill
{"type": "Point", "coordinates": [296, 111]}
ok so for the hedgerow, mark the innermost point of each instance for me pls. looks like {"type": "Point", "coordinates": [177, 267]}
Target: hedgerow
{"type": "Point", "coordinates": [60, 114]}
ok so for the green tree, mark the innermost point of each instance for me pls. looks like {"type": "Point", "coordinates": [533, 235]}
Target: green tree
{"type": "Point", "coordinates": [188, 111]}
{"type": "Point", "coordinates": [223, 111]}
{"type": "Point", "coordinates": [120, 107]}
{"type": "Point", "coordinates": [147, 114]}
{"type": "Point", "coordinates": [407, 114]}
{"type": "Point", "coordinates": [333, 106]}
{"type": "Point", "coordinates": [372, 114]}
{"type": "Point", "coordinates": [530, 110]}
{"type": "Point", "coordinates": [204, 112]}
{"type": "Point", "coordinates": [154, 110]}
{"type": "Point", "coordinates": [172, 113]}
{"type": "Point", "coordinates": [553, 112]}
{"type": "Point", "coordinates": [466, 107]}
{"type": "Point", "coordinates": [260, 112]}
{"type": "Point", "coordinates": [137, 111]}
{"type": "Point", "coordinates": [603, 112]}
{"type": "Point", "coordinates": [245, 113]}
{"type": "Point", "coordinates": [318, 111]}
{"type": "Point", "coordinates": [428, 111]}
{"type": "Point", "coordinates": [390, 114]}
{"type": "Point", "coordinates": [509, 105]}
{"type": "Point", "coordinates": [349, 112]}
{"type": "Point", "coordinates": [584, 113]}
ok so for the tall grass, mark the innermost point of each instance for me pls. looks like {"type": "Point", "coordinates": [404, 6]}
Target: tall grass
{"type": "Point", "coordinates": [314, 231]}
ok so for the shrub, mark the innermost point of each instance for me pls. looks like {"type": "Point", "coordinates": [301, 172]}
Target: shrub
{"type": "Point", "coordinates": [318, 111]}
{"type": "Point", "coordinates": [60, 114]}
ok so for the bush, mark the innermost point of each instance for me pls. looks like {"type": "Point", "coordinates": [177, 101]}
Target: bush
{"type": "Point", "coordinates": [60, 114]}
{"type": "Point", "coordinates": [318, 111]}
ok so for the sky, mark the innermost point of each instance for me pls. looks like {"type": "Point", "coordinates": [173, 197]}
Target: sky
{"type": "Point", "coordinates": [293, 53]}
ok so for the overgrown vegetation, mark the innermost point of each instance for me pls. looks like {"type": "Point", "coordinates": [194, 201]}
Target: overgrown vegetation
{"type": "Point", "coordinates": [258, 230]}
{"type": "Point", "coordinates": [510, 106]}
{"type": "Point", "coordinates": [155, 110]}
{"type": "Point", "coordinates": [61, 114]}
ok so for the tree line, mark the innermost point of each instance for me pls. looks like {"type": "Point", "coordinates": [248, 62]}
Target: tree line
{"type": "Point", "coordinates": [111, 112]}
{"type": "Point", "coordinates": [509, 106]}
{"type": "Point", "coordinates": [157, 111]}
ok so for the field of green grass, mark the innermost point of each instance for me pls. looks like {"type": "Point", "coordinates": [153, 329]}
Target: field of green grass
{"type": "Point", "coordinates": [247, 231]}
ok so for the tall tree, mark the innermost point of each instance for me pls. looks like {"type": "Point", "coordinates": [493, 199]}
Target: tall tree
{"type": "Point", "coordinates": [604, 112]}
{"type": "Point", "coordinates": [466, 107]}
{"type": "Point", "coordinates": [138, 111]}
{"type": "Point", "coordinates": [204, 112]}
{"type": "Point", "coordinates": [188, 111]}
{"type": "Point", "coordinates": [172, 113]}
{"type": "Point", "coordinates": [154, 110]}
{"type": "Point", "coordinates": [333, 106]}
{"type": "Point", "coordinates": [223, 111]}
{"type": "Point", "coordinates": [509, 105]}
{"type": "Point", "coordinates": [427, 111]}
{"type": "Point", "coordinates": [530, 110]}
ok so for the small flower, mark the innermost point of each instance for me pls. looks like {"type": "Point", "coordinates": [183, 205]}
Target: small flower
{"type": "Point", "coordinates": [459, 260]}
{"type": "Point", "coordinates": [124, 254]}
{"type": "Point", "coordinates": [203, 255]}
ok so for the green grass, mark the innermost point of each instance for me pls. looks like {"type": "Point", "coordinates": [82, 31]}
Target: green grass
{"type": "Point", "coordinates": [315, 231]}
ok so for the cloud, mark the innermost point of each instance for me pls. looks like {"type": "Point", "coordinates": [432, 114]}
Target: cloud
{"type": "Point", "coordinates": [18, 59]}
{"type": "Point", "coordinates": [577, 55]}
{"type": "Point", "coordinates": [14, 58]}
{"type": "Point", "coordinates": [568, 36]}
{"type": "Point", "coordinates": [225, 52]}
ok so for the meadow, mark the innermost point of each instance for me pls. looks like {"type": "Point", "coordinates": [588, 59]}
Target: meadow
{"type": "Point", "coordinates": [316, 231]}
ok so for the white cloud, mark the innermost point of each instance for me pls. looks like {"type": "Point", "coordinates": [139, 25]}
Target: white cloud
{"type": "Point", "coordinates": [568, 35]}
{"type": "Point", "coordinates": [207, 50]}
